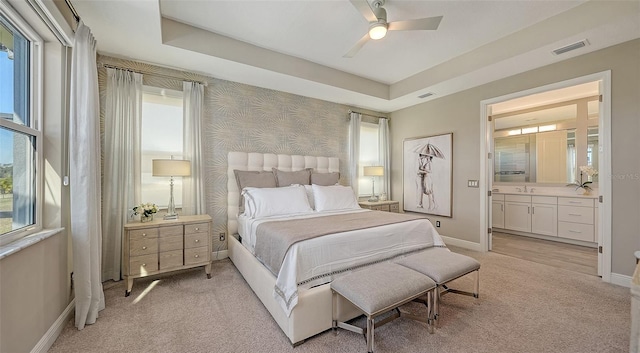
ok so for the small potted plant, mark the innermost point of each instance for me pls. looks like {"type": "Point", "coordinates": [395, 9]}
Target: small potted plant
{"type": "Point", "coordinates": [146, 211]}
{"type": "Point", "coordinates": [584, 185]}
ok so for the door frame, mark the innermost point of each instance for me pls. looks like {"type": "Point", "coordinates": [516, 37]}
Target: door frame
{"type": "Point", "coordinates": [604, 149]}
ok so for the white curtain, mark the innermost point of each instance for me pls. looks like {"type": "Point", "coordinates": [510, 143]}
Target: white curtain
{"type": "Point", "coordinates": [354, 149]}
{"type": "Point", "coordinates": [121, 185]}
{"type": "Point", "coordinates": [193, 198]}
{"type": "Point", "coordinates": [385, 154]}
{"type": "Point", "coordinates": [84, 164]}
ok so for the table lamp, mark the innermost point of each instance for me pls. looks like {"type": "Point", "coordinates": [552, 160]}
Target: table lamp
{"type": "Point", "coordinates": [373, 172]}
{"type": "Point", "coordinates": [171, 168]}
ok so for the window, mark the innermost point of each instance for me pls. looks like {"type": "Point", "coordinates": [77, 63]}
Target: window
{"type": "Point", "coordinates": [162, 126]}
{"type": "Point", "coordinates": [368, 157]}
{"type": "Point", "coordinates": [20, 138]}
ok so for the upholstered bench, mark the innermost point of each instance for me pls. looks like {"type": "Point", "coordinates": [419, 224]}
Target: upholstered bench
{"type": "Point", "coordinates": [381, 288]}
{"type": "Point", "coordinates": [442, 266]}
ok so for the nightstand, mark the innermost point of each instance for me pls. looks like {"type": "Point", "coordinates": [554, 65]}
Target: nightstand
{"type": "Point", "coordinates": [162, 246]}
{"type": "Point", "coordinates": [388, 206]}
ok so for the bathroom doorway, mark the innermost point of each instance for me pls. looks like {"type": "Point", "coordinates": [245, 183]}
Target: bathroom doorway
{"type": "Point", "coordinates": [538, 142]}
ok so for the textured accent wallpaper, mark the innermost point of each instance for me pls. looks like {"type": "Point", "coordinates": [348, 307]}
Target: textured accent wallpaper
{"type": "Point", "coordinates": [239, 117]}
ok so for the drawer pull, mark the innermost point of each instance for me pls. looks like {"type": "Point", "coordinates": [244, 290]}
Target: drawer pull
{"type": "Point", "coordinates": [144, 248]}
{"type": "Point", "coordinates": [575, 201]}
{"type": "Point", "coordinates": [197, 228]}
{"type": "Point", "coordinates": [144, 234]}
{"type": "Point", "coordinates": [196, 256]}
{"type": "Point", "coordinates": [197, 240]}
{"type": "Point", "coordinates": [574, 214]}
{"type": "Point", "coordinates": [574, 231]}
{"type": "Point", "coordinates": [144, 265]}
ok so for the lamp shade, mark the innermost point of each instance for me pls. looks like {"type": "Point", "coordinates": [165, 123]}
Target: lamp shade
{"type": "Point", "coordinates": [374, 171]}
{"type": "Point", "coordinates": [171, 167]}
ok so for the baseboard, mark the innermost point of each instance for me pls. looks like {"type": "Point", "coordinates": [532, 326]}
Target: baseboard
{"type": "Point", "coordinates": [461, 243]}
{"type": "Point", "coordinates": [219, 255]}
{"type": "Point", "coordinates": [621, 280]}
{"type": "Point", "coordinates": [54, 331]}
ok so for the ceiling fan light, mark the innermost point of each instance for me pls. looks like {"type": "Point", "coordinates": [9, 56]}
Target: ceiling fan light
{"type": "Point", "coordinates": [378, 31]}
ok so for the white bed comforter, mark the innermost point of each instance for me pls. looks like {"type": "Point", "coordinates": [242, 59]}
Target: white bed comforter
{"type": "Point", "coordinates": [315, 261]}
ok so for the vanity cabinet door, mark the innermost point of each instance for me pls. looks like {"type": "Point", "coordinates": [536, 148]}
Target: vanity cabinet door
{"type": "Point", "coordinates": [497, 214]}
{"type": "Point", "coordinates": [517, 216]}
{"type": "Point", "coordinates": [544, 219]}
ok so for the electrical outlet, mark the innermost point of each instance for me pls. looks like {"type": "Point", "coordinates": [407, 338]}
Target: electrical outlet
{"type": "Point", "coordinates": [437, 224]}
{"type": "Point", "coordinates": [222, 236]}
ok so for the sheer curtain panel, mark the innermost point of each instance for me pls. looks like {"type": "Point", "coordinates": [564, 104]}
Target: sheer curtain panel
{"type": "Point", "coordinates": [385, 154]}
{"type": "Point", "coordinates": [121, 185]}
{"type": "Point", "coordinates": [84, 172]}
{"type": "Point", "coordinates": [193, 198]}
{"type": "Point", "coordinates": [354, 149]}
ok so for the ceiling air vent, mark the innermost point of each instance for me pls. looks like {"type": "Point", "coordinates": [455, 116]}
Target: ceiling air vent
{"type": "Point", "coordinates": [570, 47]}
{"type": "Point", "coordinates": [426, 95]}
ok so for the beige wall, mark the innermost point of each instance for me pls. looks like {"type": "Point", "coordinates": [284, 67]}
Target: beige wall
{"type": "Point", "coordinates": [35, 282]}
{"type": "Point", "coordinates": [460, 113]}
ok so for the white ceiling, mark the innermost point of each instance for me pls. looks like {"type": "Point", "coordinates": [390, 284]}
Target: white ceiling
{"type": "Point", "coordinates": [298, 46]}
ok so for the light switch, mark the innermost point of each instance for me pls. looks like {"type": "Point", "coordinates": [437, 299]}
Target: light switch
{"type": "Point", "coordinates": [473, 183]}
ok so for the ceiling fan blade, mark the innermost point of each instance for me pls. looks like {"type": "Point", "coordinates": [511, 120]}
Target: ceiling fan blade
{"type": "Point", "coordinates": [429, 23]}
{"type": "Point", "coordinates": [363, 7]}
{"type": "Point", "coordinates": [356, 48]}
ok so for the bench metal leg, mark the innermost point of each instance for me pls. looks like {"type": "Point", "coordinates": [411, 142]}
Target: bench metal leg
{"type": "Point", "coordinates": [370, 328]}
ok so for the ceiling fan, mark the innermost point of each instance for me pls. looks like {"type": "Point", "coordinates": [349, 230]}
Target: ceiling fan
{"type": "Point", "coordinates": [378, 25]}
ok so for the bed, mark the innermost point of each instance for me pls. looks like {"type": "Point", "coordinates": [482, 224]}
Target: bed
{"type": "Point", "coordinates": [302, 303]}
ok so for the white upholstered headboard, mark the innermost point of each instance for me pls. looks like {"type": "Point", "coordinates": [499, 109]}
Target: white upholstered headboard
{"type": "Point", "coordinates": [264, 162]}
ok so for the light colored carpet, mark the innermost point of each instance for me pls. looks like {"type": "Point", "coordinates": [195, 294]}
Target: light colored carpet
{"type": "Point", "coordinates": [523, 307]}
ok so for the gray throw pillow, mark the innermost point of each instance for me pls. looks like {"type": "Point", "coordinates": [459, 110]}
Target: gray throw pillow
{"type": "Point", "coordinates": [256, 179]}
{"type": "Point", "coordinates": [302, 177]}
{"type": "Point", "coordinates": [325, 179]}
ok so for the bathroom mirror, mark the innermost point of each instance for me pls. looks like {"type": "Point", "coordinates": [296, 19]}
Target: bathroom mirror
{"type": "Point", "coordinates": [546, 144]}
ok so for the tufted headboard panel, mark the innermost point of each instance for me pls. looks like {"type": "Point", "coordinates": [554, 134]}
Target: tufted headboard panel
{"type": "Point", "coordinates": [264, 162]}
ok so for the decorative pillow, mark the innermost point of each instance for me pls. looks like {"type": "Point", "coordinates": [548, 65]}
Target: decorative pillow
{"type": "Point", "coordinates": [335, 197]}
{"type": "Point", "coordinates": [302, 177]}
{"type": "Point", "coordinates": [264, 202]}
{"type": "Point", "coordinates": [325, 179]}
{"type": "Point", "coordinates": [246, 178]}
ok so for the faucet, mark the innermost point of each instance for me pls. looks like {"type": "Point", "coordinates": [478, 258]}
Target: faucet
{"type": "Point", "coordinates": [518, 189]}
{"type": "Point", "coordinates": [525, 188]}
{"type": "Point", "coordinates": [531, 190]}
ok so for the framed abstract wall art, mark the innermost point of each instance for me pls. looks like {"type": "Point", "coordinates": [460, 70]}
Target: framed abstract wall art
{"type": "Point", "coordinates": [427, 166]}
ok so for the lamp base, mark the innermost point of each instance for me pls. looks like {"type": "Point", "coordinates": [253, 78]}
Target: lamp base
{"type": "Point", "coordinates": [373, 199]}
{"type": "Point", "coordinates": [170, 216]}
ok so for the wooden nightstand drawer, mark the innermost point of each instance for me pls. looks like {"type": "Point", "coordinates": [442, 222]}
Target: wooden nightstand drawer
{"type": "Point", "coordinates": [170, 231]}
{"type": "Point", "coordinates": [170, 243]}
{"type": "Point", "coordinates": [385, 206]}
{"type": "Point", "coordinates": [196, 255]}
{"type": "Point", "coordinates": [143, 247]}
{"type": "Point", "coordinates": [170, 259]}
{"type": "Point", "coordinates": [141, 265]}
{"type": "Point", "coordinates": [195, 240]}
{"type": "Point", "coordinates": [145, 233]}
{"type": "Point", "coordinates": [196, 228]}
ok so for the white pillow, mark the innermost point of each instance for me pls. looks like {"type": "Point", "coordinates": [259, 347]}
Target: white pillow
{"type": "Point", "coordinates": [309, 191]}
{"type": "Point", "coordinates": [334, 197]}
{"type": "Point", "coordinates": [264, 202]}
